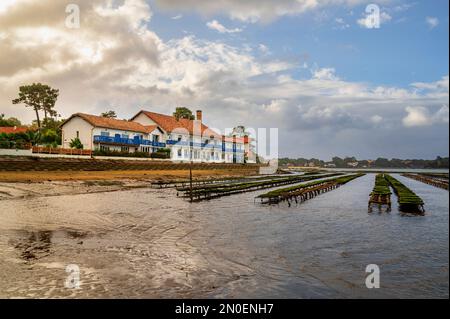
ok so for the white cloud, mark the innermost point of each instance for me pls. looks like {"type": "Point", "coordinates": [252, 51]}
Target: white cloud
{"type": "Point", "coordinates": [341, 24]}
{"type": "Point", "coordinates": [216, 25]}
{"type": "Point", "coordinates": [177, 17]}
{"type": "Point", "coordinates": [417, 116]}
{"type": "Point", "coordinates": [366, 21]}
{"type": "Point", "coordinates": [255, 10]}
{"type": "Point", "coordinates": [325, 74]}
{"type": "Point", "coordinates": [376, 119]}
{"type": "Point", "coordinates": [432, 22]}
{"type": "Point", "coordinates": [421, 116]}
{"type": "Point", "coordinates": [263, 48]}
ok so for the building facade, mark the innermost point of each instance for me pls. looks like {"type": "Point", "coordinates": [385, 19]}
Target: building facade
{"type": "Point", "coordinates": [187, 140]}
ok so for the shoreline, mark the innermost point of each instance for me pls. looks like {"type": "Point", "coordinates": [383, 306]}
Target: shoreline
{"type": "Point", "coordinates": [138, 175]}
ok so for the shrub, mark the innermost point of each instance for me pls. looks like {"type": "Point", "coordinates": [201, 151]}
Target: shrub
{"type": "Point", "coordinates": [76, 143]}
{"type": "Point", "coordinates": [160, 155]}
{"type": "Point", "coordinates": [120, 154]}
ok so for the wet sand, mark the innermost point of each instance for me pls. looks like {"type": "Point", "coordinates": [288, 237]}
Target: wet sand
{"type": "Point", "coordinates": [143, 253]}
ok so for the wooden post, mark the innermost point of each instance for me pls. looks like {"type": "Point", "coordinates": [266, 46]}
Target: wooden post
{"type": "Point", "coordinates": [190, 169]}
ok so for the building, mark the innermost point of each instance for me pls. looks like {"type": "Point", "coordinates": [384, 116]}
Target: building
{"type": "Point", "coordinates": [13, 129]}
{"type": "Point", "coordinates": [100, 133]}
{"type": "Point", "coordinates": [149, 131]}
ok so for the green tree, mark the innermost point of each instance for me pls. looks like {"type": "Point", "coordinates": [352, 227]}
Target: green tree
{"type": "Point", "coordinates": [339, 162]}
{"type": "Point", "coordinates": [40, 97]}
{"type": "Point", "coordinates": [12, 121]}
{"type": "Point", "coordinates": [109, 114]}
{"type": "Point", "coordinates": [183, 113]}
{"type": "Point", "coordinates": [76, 143]}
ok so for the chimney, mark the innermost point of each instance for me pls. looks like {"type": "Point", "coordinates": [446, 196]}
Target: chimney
{"type": "Point", "coordinates": [199, 115]}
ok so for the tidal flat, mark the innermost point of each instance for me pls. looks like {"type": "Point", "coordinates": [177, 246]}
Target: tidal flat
{"type": "Point", "coordinates": [133, 241]}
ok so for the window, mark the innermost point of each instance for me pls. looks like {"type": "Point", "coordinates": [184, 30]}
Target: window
{"type": "Point", "coordinates": [78, 134]}
{"type": "Point", "coordinates": [124, 149]}
{"type": "Point", "coordinates": [125, 136]}
{"type": "Point", "coordinates": [104, 133]}
{"type": "Point", "coordinates": [180, 138]}
{"type": "Point", "coordinates": [179, 154]}
{"type": "Point", "coordinates": [104, 148]}
{"type": "Point", "coordinates": [186, 154]}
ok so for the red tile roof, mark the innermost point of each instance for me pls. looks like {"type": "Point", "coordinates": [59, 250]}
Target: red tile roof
{"type": "Point", "coordinates": [105, 122]}
{"type": "Point", "coordinates": [170, 124]}
{"type": "Point", "coordinates": [13, 129]}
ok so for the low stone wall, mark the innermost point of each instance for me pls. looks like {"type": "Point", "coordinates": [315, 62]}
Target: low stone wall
{"type": "Point", "coordinates": [14, 152]}
{"type": "Point", "coordinates": [66, 164]}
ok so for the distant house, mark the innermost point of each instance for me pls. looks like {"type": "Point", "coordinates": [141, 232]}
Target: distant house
{"type": "Point", "coordinates": [13, 129]}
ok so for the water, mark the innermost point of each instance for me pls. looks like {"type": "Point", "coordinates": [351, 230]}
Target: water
{"type": "Point", "coordinates": [388, 170]}
{"type": "Point", "coordinates": [151, 243]}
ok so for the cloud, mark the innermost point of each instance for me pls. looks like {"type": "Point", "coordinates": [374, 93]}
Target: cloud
{"type": "Point", "coordinates": [417, 116]}
{"type": "Point", "coordinates": [177, 17]}
{"type": "Point", "coordinates": [341, 24]}
{"type": "Point", "coordinates": [254, 10]}
{"type": "Point", "coordinates": [325, 74]}
{"type": "Point", "coordinates": [376, 119]}
{"type": "Point", "coordinates": [215, 25]}
{"type": "Point", "coordinates": [420, 116]}
{"type": "Point", "coordinates": [115, 61]}
{"type": "Point", "coordinates": [263, 49]}
{"type": "Point", "coordinates": [432, 22]}
{"type": "Point", "coordinates": [367, 20]}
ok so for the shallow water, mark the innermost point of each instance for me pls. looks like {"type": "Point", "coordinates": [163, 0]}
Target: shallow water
{"type": "Point", "coordinates": [151, 243]}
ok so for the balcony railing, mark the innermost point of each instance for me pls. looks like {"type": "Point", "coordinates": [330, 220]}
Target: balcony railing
{"type": "Point", "coordinates": [203, 145]}
{"type": "Point", "coordinates": [126, 141]}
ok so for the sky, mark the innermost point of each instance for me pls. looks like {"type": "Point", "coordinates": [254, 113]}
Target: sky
{"type": "Point", "coordinates": [316, 70]}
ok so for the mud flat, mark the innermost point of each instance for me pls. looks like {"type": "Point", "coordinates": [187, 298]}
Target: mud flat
{"type": "Point", "coordinates": [142, 251]}
{"type": "Point", "coordinates": [37, 176]}
{"type": "Point", "coordinates": [134, 241]}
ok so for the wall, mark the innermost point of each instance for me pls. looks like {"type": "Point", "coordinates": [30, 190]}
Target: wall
{"type": "Point", "coordinates": [69, 132]}
{"type": "Point", "coordinates": [145, 120]}
{"type": "Point", "coordinates": [14, 152]}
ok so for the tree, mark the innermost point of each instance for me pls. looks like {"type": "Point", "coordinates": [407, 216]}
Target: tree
{"type": "Point", "coordinates": [183, 113]}
{"type": "Point", "coordinates": [239, 131]}
{"type": "Point", "coordinates": [12, 121]}
{"type": "Point", "coordinates": [40, 97]}
{"type": "Point", "coordinates": [50, 97]}
{"type": "Point", "coordinates": [339, 162]}
{"type": "Point", "coordinates": [76, 143]}
{"type": "Point", "coordinates": [109, 114]}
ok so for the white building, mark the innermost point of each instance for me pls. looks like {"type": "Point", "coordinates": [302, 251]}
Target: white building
{"type": "Point", "coordinates": [149, 131]}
